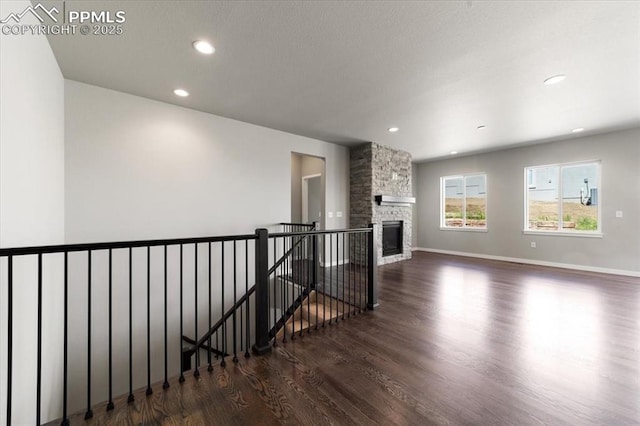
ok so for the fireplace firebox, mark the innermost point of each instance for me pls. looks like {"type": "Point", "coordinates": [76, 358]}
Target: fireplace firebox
{"type": "Point", "coordinates": [392, 237]}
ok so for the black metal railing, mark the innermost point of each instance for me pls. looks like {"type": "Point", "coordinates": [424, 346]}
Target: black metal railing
{"type": "Point", "coordinates": [297, 227]}
{"type": "Point", "coordinates": [111, 323]}
{"type": "Point", "coordinates": [323, 277]}
{"type": "Point", "coordinates": [239, 307]}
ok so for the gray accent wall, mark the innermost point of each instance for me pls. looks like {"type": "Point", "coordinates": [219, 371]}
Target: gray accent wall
{"type": "Point", "coordinates": [617, 250]}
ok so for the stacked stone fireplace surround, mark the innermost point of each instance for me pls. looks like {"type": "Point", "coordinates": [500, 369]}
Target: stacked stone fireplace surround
{"type": "Point", "coordinates": [380, 170]}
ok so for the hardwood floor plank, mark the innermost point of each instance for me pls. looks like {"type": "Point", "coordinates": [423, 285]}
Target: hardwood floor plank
{"type": "Point", "coordinates": [456, 341]}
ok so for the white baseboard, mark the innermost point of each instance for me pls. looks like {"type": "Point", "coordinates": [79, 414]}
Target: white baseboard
{"type": "Point", "coordinates": [533, 262]}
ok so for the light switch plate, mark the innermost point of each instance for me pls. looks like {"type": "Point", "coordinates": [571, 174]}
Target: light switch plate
{"type": "Point", "coordinates": [338, 214]}
{"type": "Point", "coordinates": [618, 213]}
{"type": "Point", "coordinates": [329, 214]}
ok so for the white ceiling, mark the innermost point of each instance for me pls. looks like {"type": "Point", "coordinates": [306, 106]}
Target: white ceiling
{"type": "Point", "coordinates": [346, 71]}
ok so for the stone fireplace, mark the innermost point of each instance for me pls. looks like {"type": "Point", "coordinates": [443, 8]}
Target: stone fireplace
{"type": "Point", "coordinates": [380, 193]}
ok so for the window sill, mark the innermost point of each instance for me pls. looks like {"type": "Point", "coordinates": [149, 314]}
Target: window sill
{"type": "Point", "coordinates": [444, 228]}
{"type": "Point", "coordinates": [565, 234]}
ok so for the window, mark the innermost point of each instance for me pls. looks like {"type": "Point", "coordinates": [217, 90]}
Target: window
{"type": "Point", "coordinates": [563, 198]}
{"type": "Point", "coordinates": [464, 202]}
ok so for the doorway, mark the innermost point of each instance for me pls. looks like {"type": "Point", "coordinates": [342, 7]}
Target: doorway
{"type": "Point", "coordinates": [307, 189]}
{"type": "Point", "coordinates": [311, 198]}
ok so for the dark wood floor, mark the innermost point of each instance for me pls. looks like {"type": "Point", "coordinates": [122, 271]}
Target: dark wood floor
{"type": "Point", "coordinates": [455, 341]}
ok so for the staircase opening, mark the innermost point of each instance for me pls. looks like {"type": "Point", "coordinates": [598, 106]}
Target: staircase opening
{"type": "Point", "coordinates": [392, 237]}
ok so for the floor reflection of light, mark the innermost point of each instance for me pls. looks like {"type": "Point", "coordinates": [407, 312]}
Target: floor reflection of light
{"type": "Point", "coordinates": [463, 304]}
{"type": "Point", "coordinates": [561, 328]}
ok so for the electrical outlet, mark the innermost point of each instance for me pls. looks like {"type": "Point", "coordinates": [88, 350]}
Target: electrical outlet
{"type": "Point", "coordinates": [338, 214]}
{"type": "Point", "coordinates": [329, 215]}
{"type": "Point", "coordinates": [533, 244]}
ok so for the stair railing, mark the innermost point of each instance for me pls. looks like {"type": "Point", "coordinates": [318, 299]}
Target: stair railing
{"type": "Point", "coordinates": [337, 265]}
{"type": "Point", "coordinates": [93, 307]}
{"type": "Point", "coordinates": [116, 314]}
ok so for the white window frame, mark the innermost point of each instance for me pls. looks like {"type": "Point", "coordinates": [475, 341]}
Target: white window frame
{"type": "Point", "coordinates": [463, 228]}
{"type": "Point", "coordinates": [560, 232]}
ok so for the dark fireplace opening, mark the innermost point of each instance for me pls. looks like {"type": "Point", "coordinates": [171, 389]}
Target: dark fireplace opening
{"type": "Point", "coordinates": [391, 237]}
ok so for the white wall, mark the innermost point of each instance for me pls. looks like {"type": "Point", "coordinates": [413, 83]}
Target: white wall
{"type": "Point", "coordinates": [617, 251]}
{"type": "Point", "coordinates": [32, 136]}
{"type": "Point", "coordinates": [31, 209]}
{"type": "Point", "coordinates": [296, 188]}
{"type": "Point", "coordinates": [138, 168]}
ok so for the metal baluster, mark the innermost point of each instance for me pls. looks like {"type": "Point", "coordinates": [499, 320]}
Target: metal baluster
{"type": "Point", "coordinates": [334, 274]}
{"type": "Point", "coordinates": [217, 330]}
{"type": "Point", "coordinates": [165, 385]}
{"type": "Point", "coordinates": [247, 354]}
{"type": "Point", "coordinates": [65, 370]}
{"type": "Point", "coordinates": [209, 367]}
{"type": "Point", "coordinates": [324, 279]}
{"type": "Point", "coordinates": [181, 379]}
{"type": "Point", "coordinates": [300, 269]}
{"type": "Point", "coordinates": [275, 315]}
{"type": "Point", "coordinates": [356, 285]}
{"type": "Point", "coordinates": [337, 278]}
{"type": "Point", "coordinates": [149, 390]}
{"type": "Point", "coordinates": [196, 371]}
{"type": "Point", "coordinates": [346, 254]}
{"type": "Point", "coordinates": [359, 276]}
{"type": "Point", "coordinates": [290, 260]}
{"type": "Point", "coordinates": [241, 308]}
{"type": "Point", "coordinates": [224, 324]}
{"type": "Point", "coordinates": [316, 263]}
{"type": "Point", "coordinates": [235, 335]}
{"type": "Point", "coordinates": [131, 398]}
{"type": "Point", "coordinates": [39, 354]}
{"type": "Point", "coordinates": [350, 272]}
{"type": "Point", "coordinates": [89, 412]}
{"type": "Point", "coordinates": [9, 334]}
{"type": "Point", "coordinates": [344, 267]}
{"type": "Point", "coordinates": [110, 403]}
{"type": "Point", "coordinates": [363, 242]}
{"type": "Point", "coordinates": [283, 291]}
{"type": "Point", "coordinates": [307, 274]}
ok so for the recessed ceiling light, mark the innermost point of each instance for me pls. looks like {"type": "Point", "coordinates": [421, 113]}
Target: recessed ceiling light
{"type": "Point", "coordinates": [454, 152]}
{"type": "Point", "coordinates": [554, 79]}
{"type": "Point", "coordinates": [393, 129]}
{"type": "Point", "coordinates": [181, 92]}
{"type": "Point", "coordinates": [578, 130]}
{"type": "Point", "coordinates": [482, 127]}
{"type": "Point", "coordinates": [203, 47]}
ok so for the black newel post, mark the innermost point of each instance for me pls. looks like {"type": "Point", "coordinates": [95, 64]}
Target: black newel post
{"type": "Point", "coordinates": [262, 345]}
{"type": "Point", "coordinates": [315, 257]}
{"type": "Point", "coordinates": [372, 271]}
